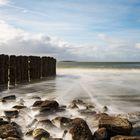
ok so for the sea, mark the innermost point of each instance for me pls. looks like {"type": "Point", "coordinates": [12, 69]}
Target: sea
{"type": "Point", "coordinates": [115, 85]}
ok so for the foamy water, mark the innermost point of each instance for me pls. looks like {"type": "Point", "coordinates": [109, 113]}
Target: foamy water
{"type": "Point", "coordinates": [117, 89]}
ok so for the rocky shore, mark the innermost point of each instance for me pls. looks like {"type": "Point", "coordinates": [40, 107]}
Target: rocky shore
{"type": "Point", "coordinates": [48, 119]}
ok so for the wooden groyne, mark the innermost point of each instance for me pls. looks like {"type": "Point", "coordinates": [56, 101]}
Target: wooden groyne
{"type": "Point", "coordinates": [23, 69]}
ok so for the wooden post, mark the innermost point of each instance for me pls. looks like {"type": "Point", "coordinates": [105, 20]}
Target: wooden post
{"type": "Point", "coordinates": [12, 70]}
{"type": "Point", "coordinates": [4, 64]}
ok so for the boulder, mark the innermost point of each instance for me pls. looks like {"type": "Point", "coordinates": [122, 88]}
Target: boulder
{"type": "Point", "coordinates": [8, 130]}
{"type": "Point", "coordinates": [51, 139]}
{"type": "Point", "coordinates": [125, 138]}
{"type": "Point", "coordinates": [11, 113]}
{"type": "Point", "coordinates": [100, 134]}
{"type": "Point", "coordinates": [80, 130]}
{"type": "Point", "coordinates": [10, 97]}
{"type": "Point", "coordinates": [115, 125]}
{"type": "Point", "coordinates": [19, 107]}
{"type": "Point", "coordinates": [13, 138]}
{"type": "Point", "coordinates": [87, 112]}
{"type": "Point", "coordinates": [2, 121]}
{"type": "Point", "coordinates": [62, 121]}
{"type": "Point", "coordinates": [46, 105]}
{"type": "Point", "coordinates": [37, 103]}
{"type": "Point", "coordinates": [40, 133]}
{"type": "Point", "coordinates": [47, 123]}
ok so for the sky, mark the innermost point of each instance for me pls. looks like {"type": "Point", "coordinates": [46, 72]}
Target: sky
{"type": "Point", "coordinates": [82, 30]}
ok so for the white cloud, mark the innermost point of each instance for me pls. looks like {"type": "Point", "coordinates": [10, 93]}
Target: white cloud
{"type": "Point", "coordinates": [4, 2]}
{"type": "Point", "coordinates": [137, 45]}
{"type": "Point", "coordinates": [17, 41]}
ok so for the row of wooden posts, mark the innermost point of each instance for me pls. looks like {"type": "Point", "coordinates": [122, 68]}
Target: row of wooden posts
{"type": "Point", "coordinates": [21, 69]}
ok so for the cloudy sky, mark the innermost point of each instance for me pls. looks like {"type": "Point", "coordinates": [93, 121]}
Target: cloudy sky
{"type": "Point", "coordinates": [84, 30]}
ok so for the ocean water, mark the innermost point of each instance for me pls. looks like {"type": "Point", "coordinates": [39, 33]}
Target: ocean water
{"type": "Point", "coordinates": [115, 85]}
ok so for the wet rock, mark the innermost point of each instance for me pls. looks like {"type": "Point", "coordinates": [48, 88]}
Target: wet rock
{"type": "Point", "coordinates": [79, 102]}
{"type": "Point", "coordinates": [46, 122]}
{"type": "Point", "coordinates": [10, 97]}
{"type": "Point", "coordinates": [87, 112]}
{"type": "Point", "coordinates": [13, 138]}
{"type": "Point", "coordinates": [105, 109]}
{"type": "Point", "coordinates": [62, 121]}
{"type": "Point", "coordinates": [37, 103]}
{"type": "Point", "coordinates": [2, 121]}
{"type": "Point", "coordinates": [80, 130]}
{"type": "Point", "coordinates": [11, 113]}
{"type": "Point", "coordinates": [100, 134]}
{"type": "Point", "coordinates": [46, 105]}
{"type": "Point", "coordinates": [40, 133]}
{"type": "Point", "coordinates": [135, 131]}
{"type": "Point", "coordinates": [19, 107]}
{"type": "Point", "coordinates": [8, 130]}
{"type": "Point", "coordinates": [125, 138]}
{"type": "Point", "coordinates": [100, 115]}
{"type": "Point", "coordinates": [51, 139]}
{"type": "Point", "coordinates": [115, 125]}
{"type": "Point", "coordinates": [73, 105]}
{"type": "Point", "coordinates": [29, 132]}
{"type": "Point", "coordinates": [50, 104]}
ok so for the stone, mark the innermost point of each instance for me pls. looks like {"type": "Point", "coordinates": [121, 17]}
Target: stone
{"type": "Point", "coordinates": [125, 138]}
{"type": "Point", "coordinates": [13, 138]}
{"type": "Point", "coordinates": [87, 112]}
{"type": "Point", "coordinates": [10, 97]}
{"type": "Point", "coordinates": [8, 130]}
{"type": "Point", "coordinates": [115, 125]}
{"type": "Point", "coordinates": [73, 105]}
{"type": "Point", "coordinates": [19, 107]}
{"type": "Point", "coordinates": [40, 133]}
{"type": "Point", "coordinates": [37, 103]}
{"type": "Point", "coordinates": [62, 122]}
{"type": "Point", "coordinates": [46, 122]}
{"type": "Point", "coordinates": [100, 134]}
{"type": "Point", "coordinates": [80, 130]}
{"type": "Point", "coordinates": [11, 113]}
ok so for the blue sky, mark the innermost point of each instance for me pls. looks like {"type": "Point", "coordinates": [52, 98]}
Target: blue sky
{"type": "Point", "coordinates": [84, 30]}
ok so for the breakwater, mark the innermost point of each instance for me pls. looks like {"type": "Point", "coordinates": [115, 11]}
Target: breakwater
{"type": "Point", "coordinates": [23, 69]}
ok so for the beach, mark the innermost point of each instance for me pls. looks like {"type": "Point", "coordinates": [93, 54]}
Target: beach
{"type": "Point", "coordinates": [93, 91]}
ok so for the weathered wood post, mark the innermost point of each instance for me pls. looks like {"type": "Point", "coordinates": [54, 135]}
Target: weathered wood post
{"type": "Point", "coordinates": [4, 64]}
{"type": "Point", "coordinates": [12, 70]}
{"type": "Point", "coordinates": [18, 69]}
{"type": "Point", "coordinates": [25, 77]}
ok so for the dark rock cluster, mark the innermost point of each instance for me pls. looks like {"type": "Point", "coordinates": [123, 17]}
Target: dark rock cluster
{"type": "Point", "coordinates": [108, 127]}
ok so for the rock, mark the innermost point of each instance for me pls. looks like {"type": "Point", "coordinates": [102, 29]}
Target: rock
{"type": "Point", "coordinates": [87, 112]}
{"type": "Point", "coordinates": [40, 133]}
{"type": "Point", "coordinates": [80, 130]}
{"type": "Point", "coordinates": [100, 115]}
{"type": "Point", "coordinates": [29, 132]}
{"type": "Point", "coordinates": [73, 105]}
{"type": "Point", "coordinates": [115, 125]}
{"type": "Point", "coordinates": [19, 107]}
{"type": "Point", "coordinates": [46, 122]}
{"type": "Point", "coordinates": [100, 134]}
{"type": "Point", "coordinates": [12, 138]}
{"type": "Point", "coordinates": [125, 138]}
{"type": "Point", "coordinates": [8, 130]}
{"type": "Point", "coordinates": [78, 101]}
{"type": "Point", "coordinates": [10, 97]}
{"type": "Point", "coordinates": [105, 109]}
{"type": "Point", "coordinates": [11, 113]}
{"type": "Point", "coordinates": [2, 122]}
{"type": "Point", "coordinates": [37, 103]}
{"type": "Point", "coordinates": [50, 104]}
{"type": "Point", "coordinates": [46, 105]}
{"type": "Point", "coordinates": [51, 139]}
{"type": "Point", "coordinates": [62, 122]}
